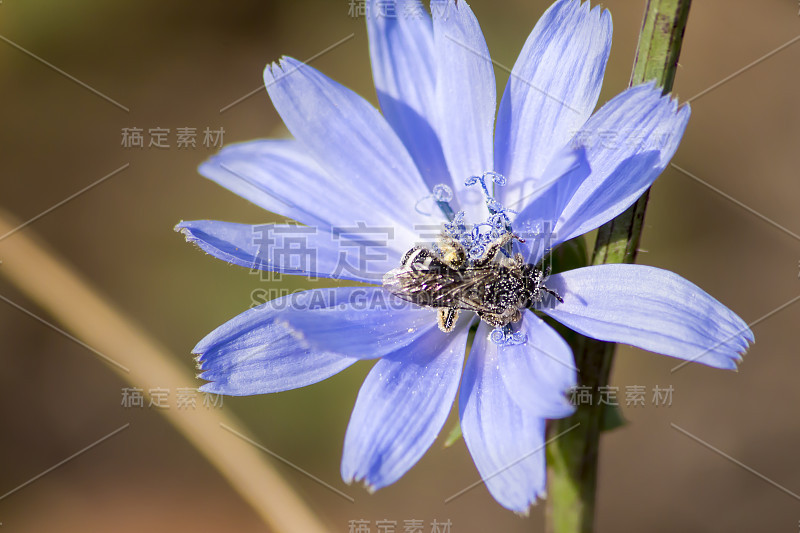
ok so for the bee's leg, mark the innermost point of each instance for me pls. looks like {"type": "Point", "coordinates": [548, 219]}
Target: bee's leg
{"type": "Point", "coordinates": [508, 316]}
{"type": "Point", "coordinates": [411, 255]}
{"type": "Point", "coordinates": [552, 293]}
{"type": "Point", "coordinates": [446, 318]}
{"type": "Point", "coordinates": [492, 319]}
{"type": "Point", "coordinates": [493, 249]}
{"type": "Point", "coordinates": [515, 262]}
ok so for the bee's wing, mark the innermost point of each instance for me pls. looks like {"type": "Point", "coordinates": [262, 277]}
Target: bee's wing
{"type": "Point", "coordinates": [471, 293]}
{"type": "Point", "coordinates": [396, 280]}
{"type": "Point", "coordinates": [428, 287]}
{"type": "Point", "coordinates": [442, 287]}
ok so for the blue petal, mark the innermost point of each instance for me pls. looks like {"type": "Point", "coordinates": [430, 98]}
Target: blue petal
{"type": "Point", "coordinates": [252, 354]}
{"type": "Point", "coordinates": [552, 90]}
{"type": "Point", "coordinates": [351, 140]}
{"type": "Point", "coordinates": [536, 223]}
{"type": "Point", "coordinates": [290, 249]}
{"type": "Point", "coordinates": [537, 373]}
{"type": "Point", "coordinates": [281, 177]}
{"type": "Point", "coordinates": [264, 350]}
{"type": "Point", "coordinates": [505, 441]}
{"type": "Point", "coordinates": [466, 98]}
{"type": "Point", "coordinates": [401, 49]}
{"type": "Point", "coordinates": [628, 181]}
{"type": "Point", "coordinates": [367, 322]}
{"type": "Point", "coordinates": [652, 309]}
{"type": "Point", "coordinates": [402, 407]}
{"type": "Point", "coordinates": [618, 138]}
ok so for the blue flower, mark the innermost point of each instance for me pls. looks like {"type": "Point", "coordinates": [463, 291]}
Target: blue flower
{"type": "Point", "coordinates": [567, 171]}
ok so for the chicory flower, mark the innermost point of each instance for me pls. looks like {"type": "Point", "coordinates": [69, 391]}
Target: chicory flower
{"type": "Point", "coordinates": [565, 172]}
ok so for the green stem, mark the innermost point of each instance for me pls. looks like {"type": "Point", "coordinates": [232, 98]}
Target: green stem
{"type": "Point", "coordinates": [572, 458]}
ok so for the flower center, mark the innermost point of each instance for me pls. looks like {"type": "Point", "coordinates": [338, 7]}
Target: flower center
{"type": "Point", "coordinates": [472, 268]}
{"type": "Point", "coordinates": [478, 237]}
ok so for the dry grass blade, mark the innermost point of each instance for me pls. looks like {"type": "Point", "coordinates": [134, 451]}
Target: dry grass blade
{"type": "Point", "coordinates": [99, 324]}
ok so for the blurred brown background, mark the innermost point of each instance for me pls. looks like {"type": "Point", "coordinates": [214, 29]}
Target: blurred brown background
{"type": "Point", "coordinates": [176, 64]}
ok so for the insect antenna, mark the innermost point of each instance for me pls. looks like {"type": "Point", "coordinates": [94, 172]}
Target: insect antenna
{"type": "Point", "coordinates": [553, 293]}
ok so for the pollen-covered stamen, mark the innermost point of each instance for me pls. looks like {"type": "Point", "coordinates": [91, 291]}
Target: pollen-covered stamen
{"type": "Point", "coordinates": [442, 195]}
{"type": "Point", "coordinates": [477, 238]}
{"type": "Point", "coordinates": [505, 336]}
{"type": "Point", "coordinates": [457, 229]}
{"type": "Point", "coordinates": [497, 179]}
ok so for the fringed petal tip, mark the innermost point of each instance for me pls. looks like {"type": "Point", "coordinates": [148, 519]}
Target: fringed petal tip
{"type": "Point", "coordinates": [536, 498]}
{"type": "Point", "coordinates": [276, 68]}
{"type": "Point", "coordinates": [599, 12]}
{"type": "Point", "coordinates": [524, 510]}
{"type": "Point", "coordinates": [203, 360]}
{"type": "Point", "coordinates": [670, 97]}
{"type": "Point", "coordinates": [184, 227]}
{"type": "Point", "coordinates": [191, 238]}
{"type": "Point", "coordinates": [527, 511]}
{"type": "Point", "coordinates": [352, 475]}
{"type": "Point", "coordinates": [749, 337]}
{"type": "Point", "coordinates": [200, 350]}
{"type": "Point", "coordinates": [200, 361]}
{"type": "Point", "coordinates": [733, 345]}
{"type": "Point", "coordinates": [745, 341]}
{"type": "Point", "coordinates": [363, 482]}
{"type": "Point", "coordinates": [284, 66]}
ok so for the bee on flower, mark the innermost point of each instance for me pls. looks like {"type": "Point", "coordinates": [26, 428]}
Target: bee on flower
{"type": "Point", "coordinates": [498, 182]}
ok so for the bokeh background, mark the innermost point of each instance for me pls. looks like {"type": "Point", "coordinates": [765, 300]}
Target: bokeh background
{"type": "Point", "coordinates": [176, 64]}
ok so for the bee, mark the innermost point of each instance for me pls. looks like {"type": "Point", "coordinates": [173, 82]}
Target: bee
{"type": "Point", "coordinates": [497, 290]}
